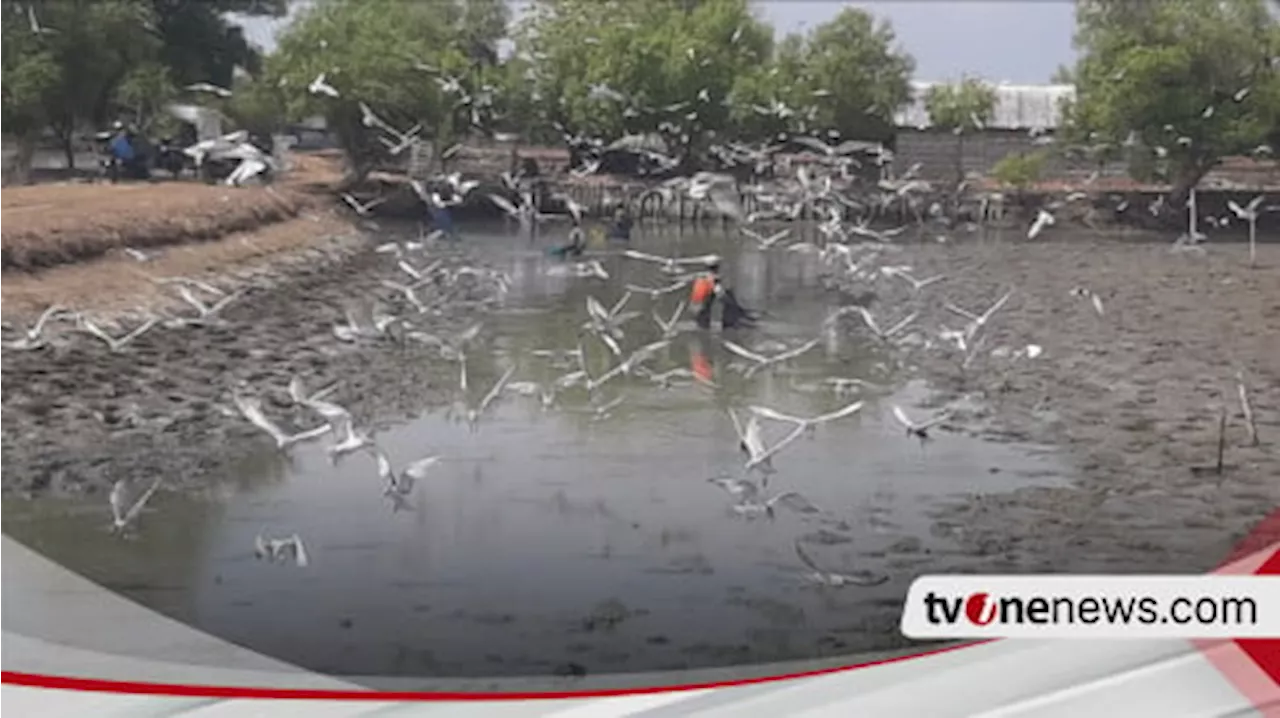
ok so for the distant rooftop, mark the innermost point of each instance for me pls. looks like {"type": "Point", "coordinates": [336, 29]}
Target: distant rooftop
{"type": "Point", "coordinates": [1018, 107]}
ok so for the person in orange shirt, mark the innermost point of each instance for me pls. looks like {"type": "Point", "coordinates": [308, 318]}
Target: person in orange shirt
{"type": "Point", "coordinates": [702, 298]}
{"type": "Point", "coordinates": [707, 288]}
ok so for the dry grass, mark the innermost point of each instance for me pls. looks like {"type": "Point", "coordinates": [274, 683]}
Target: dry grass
{"type": "Point", "coordinates": [116, 281]}
{"type": "Point", "coordinates": [58, 240]}
{"type": "Point", "coordinates": [50, 225]}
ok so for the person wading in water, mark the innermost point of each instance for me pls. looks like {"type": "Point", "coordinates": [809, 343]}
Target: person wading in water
{"type": "Point", "coordinates": [707, 288]}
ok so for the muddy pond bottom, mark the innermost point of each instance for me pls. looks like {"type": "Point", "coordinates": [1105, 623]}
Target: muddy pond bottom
{"type": "Point", "coordinates": [561, 539]}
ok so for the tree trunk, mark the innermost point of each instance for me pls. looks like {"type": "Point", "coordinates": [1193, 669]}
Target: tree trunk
{"type": "Point", "coordinates": [69, 150]}
{"type": "Point", "coordinates": [20, 172]}
{"type": "Point", "coordinates": [1174, 212]}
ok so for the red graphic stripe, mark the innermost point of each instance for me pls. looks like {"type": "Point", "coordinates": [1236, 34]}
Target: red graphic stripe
{"type": "Point", "coordinates": [1252, 665]}
{"type": "Point", "coordinates": [98, 685]}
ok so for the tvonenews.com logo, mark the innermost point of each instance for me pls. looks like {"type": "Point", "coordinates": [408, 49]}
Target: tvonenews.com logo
{"type": "Point", "coordinates": [1091, 606]}
{"type": "Point", "coordinates": [982, 609]}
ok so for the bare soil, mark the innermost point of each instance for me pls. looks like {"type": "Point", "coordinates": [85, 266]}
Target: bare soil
{"type": "Point", "coordinates": [50, 225]}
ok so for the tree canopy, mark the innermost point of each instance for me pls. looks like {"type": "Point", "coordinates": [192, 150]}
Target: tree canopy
{"type": "Point", "coordinates": [1185, 82]}
{"type": "Point", "coordinates": [76, 63]}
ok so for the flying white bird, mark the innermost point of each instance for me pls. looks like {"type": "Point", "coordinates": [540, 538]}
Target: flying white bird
{"type": "Point", "coordinates": [209, 88]}
{"type": "Point", "coordinates": [33, 337]}
{"type": "Point", "coordinates": [362, 208]}
{"type": "Point", "coordinates": [750, 502]}
{"type": "Point", "coordinates": [251, 408]}
{"type": "Point", "coordinates": [319, 86]}
{"type": "Point", "coordinates": [885, 334]}
{"type": "Point", "coordinates": [762, 361]}
{"type": "Point", "coordinates": [809, 423]}
{"type": "Point", "coordinates": [273, 549]}
{"type": "Point", "coordinates": [114, 343]}
{"type": "Point", "coordinates": [402, 482]}
{"type": "Point", "coordinates": [1043, 219]}
{"type": "Point", "coordinates": [126, 505]}
{"type": "Point", "coordinates": [919, 430]}
{"type": "Point", "coordinates": [837, 580]}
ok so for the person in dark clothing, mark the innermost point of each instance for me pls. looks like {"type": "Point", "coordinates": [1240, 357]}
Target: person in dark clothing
{"type": "Point", "coordinates": [734, 315]}
{"type": "Point", "coordinates": [622, 223]}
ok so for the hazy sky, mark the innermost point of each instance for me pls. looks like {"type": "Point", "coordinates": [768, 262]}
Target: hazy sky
{"type": "Point", "coordinates": [1018, 42]}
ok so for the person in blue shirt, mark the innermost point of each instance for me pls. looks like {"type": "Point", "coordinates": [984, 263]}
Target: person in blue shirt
{"type": "Point", "coordinates": [122, 154]}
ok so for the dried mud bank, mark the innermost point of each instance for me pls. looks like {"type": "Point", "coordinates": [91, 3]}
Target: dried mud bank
{"type": "Point", "coordinates": [1131, 396]}
{"type": "Point", "coordinates": [78, 416]}
{"type": "Point", "coordinates": [47, 226]}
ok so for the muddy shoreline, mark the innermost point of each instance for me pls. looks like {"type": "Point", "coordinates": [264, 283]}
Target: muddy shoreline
{"type": "Point", "coordinates": [1127, 396]}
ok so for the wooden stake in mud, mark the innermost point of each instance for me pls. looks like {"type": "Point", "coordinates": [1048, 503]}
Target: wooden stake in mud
{"type": "Point", "coordinates": [1222, 439]}
{"type": "Point", "coordinates": [1250, 422]}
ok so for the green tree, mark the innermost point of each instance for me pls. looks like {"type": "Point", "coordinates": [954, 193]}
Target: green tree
{"type": "Point", "coordinates": [1169, 79]}
{"type": "Point", "coordinates": [31, 75]}
{"type": "Point", "coordinates": [1020, 170]}
{"type": "Point", "coordinates": [773, 97]}
{"type": "Point", "coordinates": [861, 76]}
{"type": "Point", "coordinates": [388, 54]}
{"type": "Point", "coordinates": [961, 107]}
{"type": "Point", "coordinates": [670, 62]}
{"type": "Point", "coordinates": [200, 44]}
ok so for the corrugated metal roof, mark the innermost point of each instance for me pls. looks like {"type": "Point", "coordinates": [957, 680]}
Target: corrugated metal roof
{"type": "Point", "coordinates": [1018, 107]}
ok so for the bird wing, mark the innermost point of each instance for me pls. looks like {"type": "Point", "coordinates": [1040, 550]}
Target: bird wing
{"type": "Point", "coordinates": [794, 501]}
{"type": "Point", "coordinates": [738, 488]}
{"type": "Point", "coordinates": [299, 551]}
{"type": "Point", "coordinates": [331, 412]}
{"type": "Point", "coordinates": [793, 353]}
{"type": "Point", "coordinates": [806, 559]}
{"type": "Point", "coordinates": [418, 469]}
{"type": "Point", "coordinates": [995, 307]}
{"type": "Point", "coordinates": [744, 352]}
{"type": "Point", "coordinates": [633, 254]}
{"type": "Point", "coordinates": [296, 392]}
{"type": "Point", "coordinates": [737, 426]}
{"type": "Point", "coordinates": [497, 387]}
{"type": "Point", "coordinates": [853, 408]}
{"type": "Point", "coordinates": [768, 413]}
{"type": "Point", "coordinates": [783, 443]}
{"type": "Point", "coordinates": [596, 310]}
{"type": "Point", "coordinates": [869, 320]}
{"type": "Point", "coordinates": [117, 500]}
{"type": "Point", "coordinates": [751, 437]}
{"type": "Point", "coordinates": [617, 307]}
{"type": "Point", "coordinates": [699, 260]}
{"type": "Point", "coordinates": [136, 508]}
{"type": "Point", "coordinates": [813, 143]}
{"type": "Point", "coordinates": [384, 464]}
{"type": "Point", "coordinates": [251, 408]}
{"type": "Point", "coordinates": [902, 324]}
{"type": "Point", "coordinates": [934, 421]}
{"type": "Point", "coordinates": [675, 316]}
{"type": "Point", "coordinates": [504, 205]}
{"type": "Point", "coordinates": [962, 312]}
{"type": "Point", "coordinates": [902, 418]}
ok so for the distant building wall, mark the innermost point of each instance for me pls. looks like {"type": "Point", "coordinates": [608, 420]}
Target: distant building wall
{"type": "Point", "coordinates": [935, 151]}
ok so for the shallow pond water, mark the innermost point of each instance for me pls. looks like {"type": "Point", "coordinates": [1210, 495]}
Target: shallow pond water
{"type": "Point", "coordinates": [550, 539]}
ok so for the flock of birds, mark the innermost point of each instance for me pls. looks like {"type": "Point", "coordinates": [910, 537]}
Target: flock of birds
{"type": "Point", "coordinates": [429, 285]}
{"type": "Point", "coordinates": [851, 252]}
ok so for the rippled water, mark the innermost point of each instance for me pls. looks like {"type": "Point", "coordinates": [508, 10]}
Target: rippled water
{"type": "Point", "coordinates": [548, 541]}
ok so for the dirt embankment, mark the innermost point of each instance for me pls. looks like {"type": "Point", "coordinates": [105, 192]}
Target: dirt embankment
{"type": "Point", "coordinates": [66, 244]}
